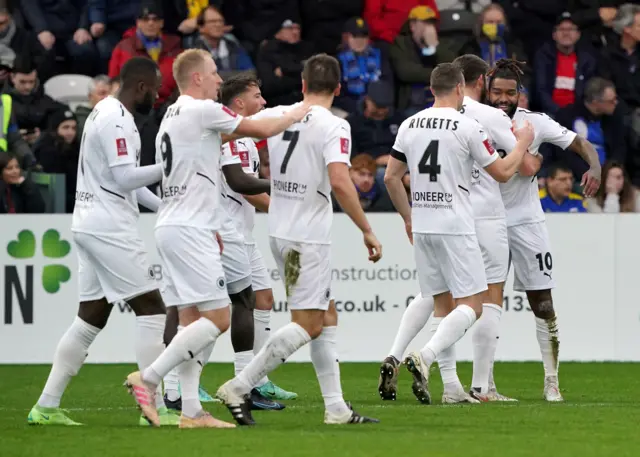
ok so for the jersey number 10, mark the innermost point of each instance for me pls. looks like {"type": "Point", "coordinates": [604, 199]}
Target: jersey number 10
{"type": "Point", "coordinates": [429, 162]}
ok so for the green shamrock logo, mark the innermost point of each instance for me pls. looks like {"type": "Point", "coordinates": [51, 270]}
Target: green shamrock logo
{"type": "Point", "coordinates": [52, 247]}
{"type": "Point", "coordinates": [24, 247]}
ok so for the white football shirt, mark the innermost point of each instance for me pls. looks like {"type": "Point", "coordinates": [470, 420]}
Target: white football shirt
{"type": "Point", "coordinates": [520, 193]}
{"type": "Point", "coordinates": [486, 198]}
{"type": "Point", "coordinates": [245, 153]}
{"type": "Point", "coordinates": [188, 145]}
{"type": "Point", "coordinates": [110, 139]}
{"type": "Point", "coordinates": [300, 208]}
{"type": "Point", "coordinates": [439, 146]}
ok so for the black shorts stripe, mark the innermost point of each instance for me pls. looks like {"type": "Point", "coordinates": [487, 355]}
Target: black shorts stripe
{"type": "Point", "coordinates": [112, 193]}
{"type": "Point", "coordinates": [463, 188]}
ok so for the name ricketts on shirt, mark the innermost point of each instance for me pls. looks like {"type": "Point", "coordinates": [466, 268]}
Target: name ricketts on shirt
{"type": "Point", "coordinates": [433, 123]}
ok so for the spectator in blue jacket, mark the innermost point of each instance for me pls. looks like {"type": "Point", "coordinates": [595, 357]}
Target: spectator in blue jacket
{"type": "Point", "coordinates": [109, 20]}
{"type": "Point", "coordinates": [562, 68]}
{"type": "Point", "coordinates": [361, 63]}
{"type": "Point", "coordinates": [599, 119]}
{"type": "Point", "coordinates": [225, 49]}
{"type": "Point", "coordinates": [62, 28]}
{"type": "Point", "coordinates": [558, 198]}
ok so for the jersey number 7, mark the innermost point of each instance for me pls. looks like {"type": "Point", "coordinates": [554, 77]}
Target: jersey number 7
{"type": "Point", "coordinates": [292, 137]}
{"type": "Point", "coordinates": [429, 162]}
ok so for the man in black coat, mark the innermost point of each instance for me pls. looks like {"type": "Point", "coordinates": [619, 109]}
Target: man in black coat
{"type": "Point", "coordinates": [279, 65]}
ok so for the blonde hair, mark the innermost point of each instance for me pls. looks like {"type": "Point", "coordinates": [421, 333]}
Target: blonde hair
{"type": "Point", "coordinates": [186, 63]}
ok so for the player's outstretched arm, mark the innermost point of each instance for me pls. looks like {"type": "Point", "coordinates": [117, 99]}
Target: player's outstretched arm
{"type": "Point", "coordinates": [396, 169]}
{"type": "Point", "coordinates": [260, 202]}
{"type": "Point", "coordinates": [591, 179]}
{"type": "Point", "coordinates": [503, 169]}
{"type": "Point", "coordinates": [268, 127]}
{"type": "Point", "coordinates": [241, 182]}
{"type": "Point", "coordinates": [347, 196]}
{"type": "Point", "coordinates": [128, 177]}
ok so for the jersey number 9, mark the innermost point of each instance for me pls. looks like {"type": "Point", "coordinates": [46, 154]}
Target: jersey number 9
{"type": "Point", "coordinates": [167, 153]}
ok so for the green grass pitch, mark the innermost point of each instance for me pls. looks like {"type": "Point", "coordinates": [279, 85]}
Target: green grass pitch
{"type": "Point", "coordinates": [600, 418]}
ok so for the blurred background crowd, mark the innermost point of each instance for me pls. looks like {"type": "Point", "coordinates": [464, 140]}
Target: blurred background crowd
{"type": "Point", "coordinates": [58, 58]}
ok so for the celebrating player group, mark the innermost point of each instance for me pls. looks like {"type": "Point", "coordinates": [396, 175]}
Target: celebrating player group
{"type": "Point", "coordinates": [472, 160]}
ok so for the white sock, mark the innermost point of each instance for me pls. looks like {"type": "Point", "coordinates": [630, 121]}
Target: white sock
{"type": "Point", "coordinates": [189, 383]}
{"type": "Point", "coordinates": [451, 329]}
{"type": "Point", "coordinates": [447, 362]}
{"type": "Point", "coordinates": [279, 348]}
{"type": "Point", "coordinates": [149, 344]}
{"type": "Point", "coordinates": [485, 341]}
{"type": "Point", "coordinates": [205, 355]}
{"type": "Point", "coordinates": [413, 320]}
{"type": "Point", "coordinates": [241, 360]}
{"type": "Point", "coordinates": [262, 331]}
{"type": "Point", "coordinates": [148, 339]}
{"type": "Point", "coordinates": [186, 345]}
{"type": "Point", "coordinates": [67, 360]}
{"type": "Point", "coordinates": [324, 357]}
{"type": "Point", "coordinates": [549, 342]}
{"type": "Point", "coordinates": [172, 380]}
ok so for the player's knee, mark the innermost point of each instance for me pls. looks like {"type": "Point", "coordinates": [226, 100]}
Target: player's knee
{"type": "Point", "coordinates": [244, 299]}
{"type": "Point", "coordinates": [95, 313]}
{"type": "Point", "coordinates": [264, 299]}
{"type": "Point", "coordinates": [331, 316]}
{"type": "Point", "coordinates": [148, 304]}
{"type": "Point", "coordinates": [541, 303]}
{"type": "Point", "coordinates": [223, 324]}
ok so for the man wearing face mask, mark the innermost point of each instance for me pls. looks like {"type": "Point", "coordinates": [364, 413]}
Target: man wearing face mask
{"type": "Point", "coordinates": [492, 40]}
{"type": "Point", "coordinates": [414, 54]}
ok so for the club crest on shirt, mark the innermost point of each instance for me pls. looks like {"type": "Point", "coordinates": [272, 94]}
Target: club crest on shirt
{"type": "Point", "coordinates": [344, 145]}
{"type": "Point", "coordinates": [121, 146]}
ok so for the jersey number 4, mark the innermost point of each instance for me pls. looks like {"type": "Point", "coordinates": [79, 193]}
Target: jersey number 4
{"type": "Point", "coordinates": [429, 162]}
{"type": "Point", "coordinates": [167, 153]}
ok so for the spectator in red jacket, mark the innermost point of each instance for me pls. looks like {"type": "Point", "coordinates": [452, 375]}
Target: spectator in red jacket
{"type": "Point", "coordinates": [386, 17]}
{"type": "Point", "coordinates": [147, 40]}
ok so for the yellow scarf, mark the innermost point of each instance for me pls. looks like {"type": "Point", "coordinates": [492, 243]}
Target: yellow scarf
{"type": "Point", "coordinates": [196, 6]}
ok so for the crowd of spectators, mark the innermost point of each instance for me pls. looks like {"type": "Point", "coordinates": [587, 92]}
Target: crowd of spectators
{"type": "Point", "coordinates": [582, 68]}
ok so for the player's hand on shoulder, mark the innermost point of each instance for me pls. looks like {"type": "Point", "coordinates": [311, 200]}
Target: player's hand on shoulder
{"type": "Point", "coordinates": [525, 133]}
{"type": "Point", "coordinates": [299, 112]}
{"type": "Point", "coordinates": [374, 246]}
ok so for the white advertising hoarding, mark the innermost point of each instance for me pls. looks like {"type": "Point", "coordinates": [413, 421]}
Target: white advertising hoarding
{"type": "Point", "coordinates": [594, 265]}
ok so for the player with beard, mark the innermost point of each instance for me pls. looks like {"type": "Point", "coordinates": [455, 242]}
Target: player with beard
{"type": "Point", "coordinates": [491, 231]}
{"type": "Point", "coordinates": [528, 237]}
{"type": "Point", "coordinates": [112, 258]}
{"type": "Point", "coordinates": [439, 146]}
